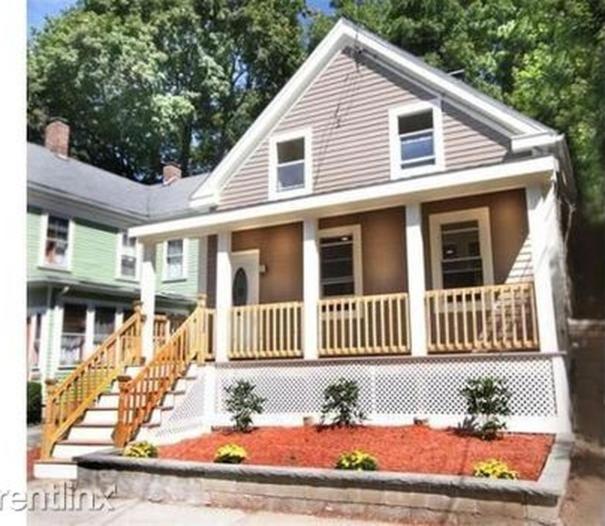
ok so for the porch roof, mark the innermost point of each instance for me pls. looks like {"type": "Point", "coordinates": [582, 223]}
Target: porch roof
{"type": "Point", "coordinates": [502, 176]}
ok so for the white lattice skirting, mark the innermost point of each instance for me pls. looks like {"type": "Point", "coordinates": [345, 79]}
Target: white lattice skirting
{"type": "Point", "coordinates": [393, 391]}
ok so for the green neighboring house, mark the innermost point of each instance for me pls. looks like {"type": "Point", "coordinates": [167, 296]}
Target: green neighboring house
{"type": "Point", "coordinates": [82, 269]}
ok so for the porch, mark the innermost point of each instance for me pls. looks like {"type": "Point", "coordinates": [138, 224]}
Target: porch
{"type": "Point", "coordinates": [339, 285]}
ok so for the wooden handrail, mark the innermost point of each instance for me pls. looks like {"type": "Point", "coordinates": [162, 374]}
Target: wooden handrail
{"type": "Point", "coordinates": [489, 318]}
{"type": "Point", "coordinates": [361, 325]}
{"type": "Point", "coordinates": [67, 401]}
{"type": "Point", "coordinates": [140, 395]}
{"type": "Point", "coordinates": [269, 330]}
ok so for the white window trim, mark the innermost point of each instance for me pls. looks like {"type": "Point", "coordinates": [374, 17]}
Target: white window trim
{"type": "Point", "coordinates": [481, 215]}
{"type": "Point", "coordinates": [70, 242]}
{"type": "Point", "coordinates": [139, 256]}
{"type": "Point", "coordinates": [355, 232]}
{"type": "Point", "coordinates": [305, 134]}
{"type": "Point", "coordinates": [184, 275]}
{"type": "Point", "coordinates": [397, 171]}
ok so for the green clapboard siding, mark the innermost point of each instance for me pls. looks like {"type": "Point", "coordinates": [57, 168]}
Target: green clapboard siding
{"type": "Point", "coordinates": [184, 287]}
{"type": "Point", "coordinates": [94, 257]}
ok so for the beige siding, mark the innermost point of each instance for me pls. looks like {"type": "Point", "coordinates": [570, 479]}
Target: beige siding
{"type": "Point", "coordinates": [508, 229]}
{"type": "Point", "coordinates": [347, 107]}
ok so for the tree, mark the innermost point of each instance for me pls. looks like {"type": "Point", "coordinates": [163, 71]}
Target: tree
{"type": "Point", "coordinates": [547, 59]}
{"type": "Point", "coordinates": [145, 81]}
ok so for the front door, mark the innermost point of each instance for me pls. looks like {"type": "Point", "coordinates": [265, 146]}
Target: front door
{"type": "Point", "coordinates": [244, 277]}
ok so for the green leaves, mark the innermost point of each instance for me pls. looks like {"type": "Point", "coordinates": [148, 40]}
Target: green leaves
{"type": "Point", "coordinates": [142, 81]}
{"type": "Point", "coordinates": [487, 403]}
{"type": "Point", "coordinates": [242, 402]}
{"type": "Point", "coordinates": [341, 404]}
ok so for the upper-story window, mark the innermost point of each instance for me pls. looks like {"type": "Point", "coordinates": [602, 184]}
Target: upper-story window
{"type": "Point", "coordinates": [175, 259]}
{"type": "Point", "coordinates": [461, 252]}
{"type": "Point", "coordinates": [56, 242]}
{"type": "Point", "coordinates": [416, 139]}
{"type": "Point", "coordinates": [290, 164]}
{"type": "Point", "coordinates": [128, 256]}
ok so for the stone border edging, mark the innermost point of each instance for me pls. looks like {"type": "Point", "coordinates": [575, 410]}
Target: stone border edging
{"type": "Point", "coordinates": [546, 491]}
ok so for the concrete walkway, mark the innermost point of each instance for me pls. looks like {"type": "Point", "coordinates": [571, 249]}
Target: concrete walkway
{"type": "Point", "coordinates": [134, 513]}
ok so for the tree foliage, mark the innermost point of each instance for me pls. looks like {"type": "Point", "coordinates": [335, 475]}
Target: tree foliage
{"type": "Point", "coordinates": [546, 59]}
{"type": "Point", "coordinates": [142, 81]}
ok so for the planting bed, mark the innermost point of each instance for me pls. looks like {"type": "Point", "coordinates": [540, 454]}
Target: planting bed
{"type": "Point", "coordinates": [412, 449]}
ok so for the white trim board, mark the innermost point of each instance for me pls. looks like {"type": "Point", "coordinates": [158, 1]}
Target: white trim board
{"type": "Point", "coordinates": [343, 34]}
{"type": "Point", "coordinates": [481, 215]}
{"type": "Point", "coordinates": [503, 176]}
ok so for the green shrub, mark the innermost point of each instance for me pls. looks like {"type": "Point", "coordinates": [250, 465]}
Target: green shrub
{"type": "Point", "coordinates": [230, 454]}
{"type": "Point", "coordinates": [487, 403]}
{"type": "Point", "coordinates": [341, 404]}
{"type": "Point", "coordinates": [34, 403]}
{"type": "Point", "coordinates": [494, 469]}
{"type": "Point", "coordinates": [242, 403]}
{"type": "Point", "coordinates": [357, 460]}
{"type": "Point", "coordinates": [142, 449]}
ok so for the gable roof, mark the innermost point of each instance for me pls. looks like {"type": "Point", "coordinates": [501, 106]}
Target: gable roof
{"type": "Point", "coordinates": [67, 177]}
{"type": "Point", "coordinates": [525, 133]}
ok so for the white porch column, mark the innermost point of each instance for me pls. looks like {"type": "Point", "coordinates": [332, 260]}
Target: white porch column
{"type": "Point", "coordinates": [89, 335]}
{"type": "Point", "coordinates": [223, 297]}
{"type": "Point", "coordinates": [310, 289]}
{"type": "Point", "coordinates": [416, 279]}
{"type": "Point", "coordinates": [148, 285]}
{"type": "Point", "coordinates": [542, 221]}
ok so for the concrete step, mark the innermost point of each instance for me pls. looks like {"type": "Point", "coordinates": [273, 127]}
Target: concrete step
{"type": "Point", "coordinates": [55, 469]}
{"type": "Point", "coordinates": [68, 449]}
{"type": "Point", "coordinates": [93, 432]}
{"type": "Point", "coordinates": [108, 415]}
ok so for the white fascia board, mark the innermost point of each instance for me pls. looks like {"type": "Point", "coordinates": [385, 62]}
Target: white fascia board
{"type": "Point", "coordinates": [342, 34]}
{"type": "Point", "coordinates": [522, 143]}
{"type": "Point", "coordinates": [449, 86]}
{"type": "Point", "coordinates": [424, 188]}
{"type": "Point", "coordinates": [334, 40]}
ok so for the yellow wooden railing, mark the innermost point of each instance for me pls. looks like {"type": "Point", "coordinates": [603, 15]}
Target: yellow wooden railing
{"type": "Point", "coordinates": [359, 325]}
{"type": "Point", "coordinates": [494, 317]}
{"type": "Point", "coordinates": [140, 395]}
{"type": "Point", "coordinates": [66, 402]}
{"type": "Point", "coordinates": [271, 330]}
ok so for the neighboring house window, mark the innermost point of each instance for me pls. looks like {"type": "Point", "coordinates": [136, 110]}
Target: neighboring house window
{"type": "Point", "coordinates": [73, 335]}
{"type": "Point", "coordinates": [290, 164]}
{"type": "Point", "coordinates": [340, 261]}
{"type": "Point", "coordinates": [175, 259]}
{"type": "Point", "coordinates": [56, 242]}
{"type": "Point", "coordinates": [416, 139]}
{"type": "Point", "coordinates": [128, 252]}
{"type": "Point", "coordinates": [104, 324]}
{"type": "Point", "coordinates": [461, 249]}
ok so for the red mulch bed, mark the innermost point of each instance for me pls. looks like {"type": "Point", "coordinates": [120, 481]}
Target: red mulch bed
{"type": "Point", "coordinates": [412, 449]}
{"type": "Point", "coordinates": [32, 456]}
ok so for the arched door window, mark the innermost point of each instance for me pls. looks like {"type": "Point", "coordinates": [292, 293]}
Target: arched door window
{"type": "Point", "coordinates": [240, 288]}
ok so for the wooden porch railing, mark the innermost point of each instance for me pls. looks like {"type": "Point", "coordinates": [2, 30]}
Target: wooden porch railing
{"type": "Point", "coordinates": [67, 401]}
{"type": "Point", "coordinates": [495, 317]}
{"type": "Point", "coordinates": [141, 394]}
{"type": "Point", "coordinates": [358, 325]}
{"type": "Point", "coordinates": [271, 330]}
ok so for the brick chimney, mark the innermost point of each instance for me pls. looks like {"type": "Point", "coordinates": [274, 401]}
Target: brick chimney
{"type": "Point", "coordinates": [171, 173]}
{"type": "Point", "coordinates": [56, 137]}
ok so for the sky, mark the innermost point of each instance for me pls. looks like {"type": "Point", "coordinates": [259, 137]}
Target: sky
{"type": "Point", "coordinates": [37, 10]}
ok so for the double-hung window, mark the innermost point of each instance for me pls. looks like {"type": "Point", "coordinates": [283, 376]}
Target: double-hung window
{"type": "Point", "coordinates": [56, 242]}
{"type": "Point", "coordinates": [128, 256]}
{"type": "Point", "coordinates": [416, 139]}
{"type": "Point", "coordinates": [73, 335]}
{"type": "Point", "coordinates": [340, 261]}
{"type": "Point", "coordinates": [461, 249]}
{"type": "Point", "coordinates": [290, 164]}
{"type": "Point", "coordinates": [104, 324]}
{"type": "Point", "coordinates": [175, 259]}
